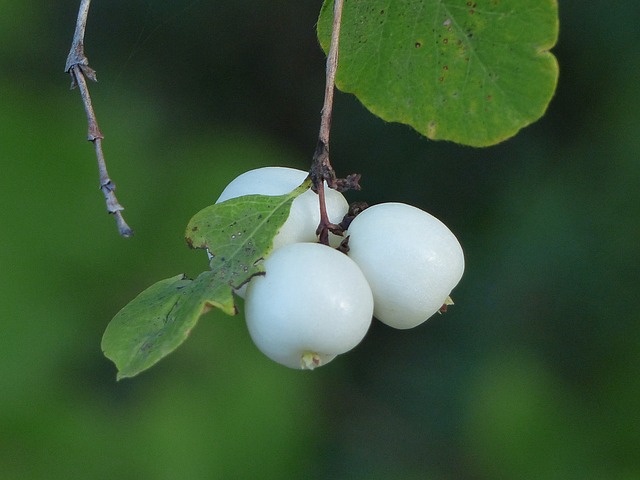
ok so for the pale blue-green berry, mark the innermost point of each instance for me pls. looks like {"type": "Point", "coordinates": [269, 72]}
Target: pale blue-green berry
{"type": "Point", "coordinates": [411, 260]}
{"type": "Point", "coordinates": [312, 304]}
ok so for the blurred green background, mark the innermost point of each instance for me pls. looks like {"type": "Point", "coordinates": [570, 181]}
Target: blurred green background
{"type": "Point", "coordinates": [534, 374]}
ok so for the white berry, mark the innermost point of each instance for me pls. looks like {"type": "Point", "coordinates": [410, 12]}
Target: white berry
{"type": "Point", "coordinates": [411, 260]}
{"type": "Point", "coordinates": [312, 304]}
{"type": "Point", "coordinates": [304, 216]}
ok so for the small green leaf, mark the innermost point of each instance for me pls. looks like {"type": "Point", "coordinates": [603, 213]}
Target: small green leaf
{"type": "Point", "coordinates": [145, 330]}
{"type": "Point", "coordinates": [239, 233]}
{"type": "Point", "coordinates": [473, 72]}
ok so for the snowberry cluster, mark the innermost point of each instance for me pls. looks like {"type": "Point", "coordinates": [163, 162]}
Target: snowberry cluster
{"type": "Point", "coordinates": [315, 302]}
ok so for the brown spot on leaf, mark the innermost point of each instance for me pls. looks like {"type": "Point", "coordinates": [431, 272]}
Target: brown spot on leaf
{"type": "Point", "coordinates": [431, 129]}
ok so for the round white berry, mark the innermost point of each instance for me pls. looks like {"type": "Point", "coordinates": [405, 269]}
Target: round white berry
{"type": "Point", "coordinates": [304, 216]}
{"type": "Point", "coordinates": [312, 304]}
{"type": "Point", "coordinates": [411, 260]}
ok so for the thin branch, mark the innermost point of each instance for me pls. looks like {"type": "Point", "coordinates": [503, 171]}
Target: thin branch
{"type": "Point", "coordinates": [332, 67]}
{"type": "Point", "coordinates": [76, 54]}
{"type": "Point", "coordinates": [321, 169]}
{"type": "Point", "coordinates": [78, 67]}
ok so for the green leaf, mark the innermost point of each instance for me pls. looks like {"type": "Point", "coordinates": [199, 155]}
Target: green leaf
{"type": "Point", "coordinates": [239, 234]}
{"type": "Point", "coordinates": [473, 72]}
{"type": "Point", "coordinates": [145, 330]}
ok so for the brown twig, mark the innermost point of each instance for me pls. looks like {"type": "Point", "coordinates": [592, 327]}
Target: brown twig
{"type": "Point", "coordinates": [78, 67]}
{"type": "Point", "coordinates": [321, 169]}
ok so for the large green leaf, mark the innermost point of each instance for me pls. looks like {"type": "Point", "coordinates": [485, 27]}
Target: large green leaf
{"type": "Point", "coordinates": [473, 72]}
{"type": "Point", "coordinates": [239, 234]}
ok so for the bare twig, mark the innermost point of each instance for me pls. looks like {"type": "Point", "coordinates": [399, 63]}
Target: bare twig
{"type": "Point", "coordinates": [78, 67]}
{"type": "Point", "coordinates": [321, 169]}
